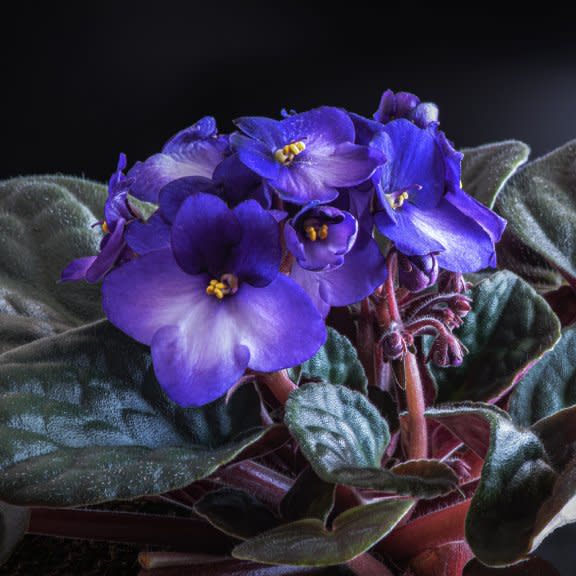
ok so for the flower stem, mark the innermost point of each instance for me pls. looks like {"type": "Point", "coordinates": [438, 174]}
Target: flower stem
{"type": "Point", "coordinates": [417, 433]}
{"type": "Point", "coordinates": [389, 288]}
{"type": "Point", "coordinates": [279, 384]}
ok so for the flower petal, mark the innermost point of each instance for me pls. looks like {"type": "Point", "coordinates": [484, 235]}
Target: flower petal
{"type": "Point", "coordinates": [196, 368]}
{"type": "Point", "coordinates": [149, 293]}
{"type": "Point", "coordinates": [256, 156]}
{"type": "Point", "coordinates": [278, 324]}
{"type": "Point", "coordinates": [154, 234]}
{"type": "Point", "coordinates": [111, 248]}
{"type": "Point", "coordinates": [256, 258]}
{"type": "Point", "coordinates": [203, 234]}
{"type": "Point", "coordinates": [173, 195]}
{"type": "Point", "coordinates": [76, 270]}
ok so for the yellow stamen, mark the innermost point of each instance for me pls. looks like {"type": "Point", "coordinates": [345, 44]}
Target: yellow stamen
{"type": "Point", "coordinates": [397, 201]}
{"type": "Point", "coordinates": [311, 233]}
{"type": "Point", "coordinates": [227, 285]}
{"type": "Point", "coordinates": [105, 228]}
{"type": "Point", "coordinates": [286, 155]}
{"type": "Point", "coordinates": [323, 232]}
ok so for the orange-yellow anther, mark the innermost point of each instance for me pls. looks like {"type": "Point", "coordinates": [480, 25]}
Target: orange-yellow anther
{"type": "Point", "coordinates": [396, 201]}
{"type": "Point", "coordinates": [105, 228]}
{"type": "Point", "coordinates": [228, 284]}
{"type": "Point", "coordinates": [314, 233]}
{"type": "Point", "coordinates": [286, 155]}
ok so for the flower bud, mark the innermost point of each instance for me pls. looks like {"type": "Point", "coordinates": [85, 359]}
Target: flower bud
{"type": "Point", "coordinates": [394, 346]}
{"type": "Point", "coordinates": [416, 273]}
{"type": "Point", "coordinates": [446, 351]}
{"type": "Point", "coordinates": [452, 282]}
{"type": "Point", "coordinates": [461, 305]}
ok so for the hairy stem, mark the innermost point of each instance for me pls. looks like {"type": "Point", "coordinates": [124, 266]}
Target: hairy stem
{"type": "Point", "coordinates": [417, 444]}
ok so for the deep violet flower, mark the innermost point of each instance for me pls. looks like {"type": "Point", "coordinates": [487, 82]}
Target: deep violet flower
{"type": "Point", "coordinates": [320, 236]}
{"type": "Point", "coordinates": [306, 157]}
{"type": "Point", "coordinates": [363, 268]}
{"type": "Point", "coordinates": [423, 208]}
{"type": "Point", "coordinates": [195, 151]}
{"type": "Point", "coordinates": [406, 105]}
{"type": "Point", "coordinates": [216, 304]}
{"type": "Point", "coordinates": [113, 249]}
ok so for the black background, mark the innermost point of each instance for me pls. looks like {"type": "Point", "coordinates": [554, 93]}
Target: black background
{"type": "Point", "coordinates": [82, 82]}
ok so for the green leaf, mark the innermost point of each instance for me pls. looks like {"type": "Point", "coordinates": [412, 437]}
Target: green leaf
{"type": "Point", "coordinates": [539, 202]}
{"type": "Point", "coordinates": [236, 513]}
{"type": "Point", "coordinates": [517, 480]}
{"type": "Point", "coordinates": [486, 169]}
{"type": "Point", "coordinates": [45, 222]}
{"type": "Point", "coordinates": [13, 525]}
{"type": "Point", "coordinates": [83, 420]}
{"type": "Point", "coordinates": [308, 543]}
{"type": "Point", "coordinates": [309, 497]}
{"type": "Point", "coordinates": [336, 362]}
{"type": "Point", "coordinates": [508, 329]}
{"type": "Point", "coordinates": [344, 438]}
{"type": "Point", "coordinates": [549, 386]}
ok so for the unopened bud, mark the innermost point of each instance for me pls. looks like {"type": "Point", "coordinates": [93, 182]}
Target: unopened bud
{"type": "Point", "coordinates": [461, 305]}
{"type": "Point", "coordinates": [447, 351]}
{"type": "Point", "coordinates": [453, 282]}
{"type": "Point", "coordinates": [416, 273]}
{"type": "Point", "coordinates": [394, 346]}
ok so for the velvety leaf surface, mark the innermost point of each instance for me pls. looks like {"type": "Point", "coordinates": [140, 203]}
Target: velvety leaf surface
{"type": "Point", "coordinates": [485, 169]}
{"type": "Point", "coordinates": [509, 328]}
{"type": "Point", "coordinates": [236, 513]}
{"type": "Point", "coordinates": [45, 222]}
{"type": "Point", "coordinates": [344, 438]}
{"type": "Point", "coordinates": [517, 480]}
{"type": "Point", "coordinates": [309, 497]}
{"type": "Point", "coordinates": [549, 386]}
{"type": "Point", "coordinates": [83, 420]}
{"type": "Point", "coordinates": [539, 202]}
{"type": "Point", "coordinates": [336, 362]}
{"type": "Point", "coordinates": [308, 543]}
{"type": "Point", "coordinates": [13, 526]}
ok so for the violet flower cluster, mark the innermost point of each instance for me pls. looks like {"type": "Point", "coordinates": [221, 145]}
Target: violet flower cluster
{"type": "Point", "coordinates": [256, 235]}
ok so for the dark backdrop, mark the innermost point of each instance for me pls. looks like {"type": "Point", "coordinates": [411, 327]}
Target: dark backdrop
{"type": "Point", "coordinates": [82, 83]}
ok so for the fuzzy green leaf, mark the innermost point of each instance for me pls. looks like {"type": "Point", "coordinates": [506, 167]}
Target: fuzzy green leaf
{"type": "Point", "coordinates": [485, 169]}
{"type": "Point", "coordinates": [508, 329]}
{"type": "Point", "coordinates": [308, 543]}
{"type": "Point", "coordinates": [83, 420]}
{"type": "Point", "coordinates": [13, 525]}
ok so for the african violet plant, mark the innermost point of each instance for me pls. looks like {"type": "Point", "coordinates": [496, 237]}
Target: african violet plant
{"type": "Point", "coordinates": [307, 348]}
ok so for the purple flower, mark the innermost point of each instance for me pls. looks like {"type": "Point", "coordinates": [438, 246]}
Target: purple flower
{"type": "Point", "coordinates": [423, 208]}
{"type": "Point", "coordinates": [117, 214]}
{"type": "Point", "coordinates": [416, 273]}
{"type": "Point", "coordinates": [406, 105]}
{"type": "Point", "coordinates": [363, 268]}
{"type": "Point", "coordinates": [320, 236]}
{"type": "Point", "coordinates": [216, 304]}
{"type": "Point", "coordinates": [195, 151]}
{"type": "Point", "coordinates": [306, 157]}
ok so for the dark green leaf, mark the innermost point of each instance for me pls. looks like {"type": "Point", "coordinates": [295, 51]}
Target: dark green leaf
{"type": "Point", "coordinates": [344, 438]}
{"type": "Point", "coordinates": [83, 419]}
{"type": "Point", "coordinates": [13, 525]}
{"type": "Point", "coordinates": [308, 543]}
{"type": "Point", "coordinates": [539, 202]}
{"type": "Point", "coordinates": [236, 513]}
{"type": "Point", "coordinates": [486, 169]}
{"type": "Point", "coordinates": [508, 329]}
{"type": "Point", "coordinates": [309, 497]}
{"type": "Point", "coordinates": [517, 480]}
{"type": "Point", "coordinates": [45, 222]}
{"type": "Point", "coordinates": [386, 405]}
{"type": "Point", "coordinates": [549, 386]}
{"type": "Point", "coordinates": [336, 362]}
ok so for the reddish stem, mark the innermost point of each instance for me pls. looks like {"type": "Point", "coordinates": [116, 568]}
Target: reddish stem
{"type": "Point", "coordinates": [389, 288]}
{"type": "Point", "coordinates": [279, 384]}
{"type": "Point", "coordinates": [417, 432]}
{"type": "Point", "coordinates": [144, 529]}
